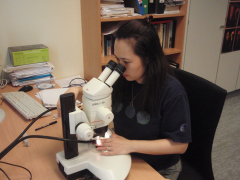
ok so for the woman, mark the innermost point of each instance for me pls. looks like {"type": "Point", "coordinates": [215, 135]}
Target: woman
{"type": "Point", "coordinates": [151, 112]}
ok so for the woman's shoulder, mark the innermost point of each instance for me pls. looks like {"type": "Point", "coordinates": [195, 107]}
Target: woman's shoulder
{"type": "Point", "coordinates": [173, 86]}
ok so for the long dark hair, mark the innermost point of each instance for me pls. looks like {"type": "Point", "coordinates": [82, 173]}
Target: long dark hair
{"type": "Point", "coordinates": [142, 36]}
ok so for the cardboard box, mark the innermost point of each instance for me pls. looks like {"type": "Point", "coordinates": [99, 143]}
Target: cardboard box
{"type": "Point", "coordinates": [22, 55]}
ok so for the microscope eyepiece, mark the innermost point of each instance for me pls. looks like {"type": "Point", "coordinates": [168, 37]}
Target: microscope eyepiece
{"type": "Point", "coordinates": [118, 71]}
{"type": "Point", "coordinates": [120, 68]}
{"type": "Point", "coordinates": [111, 65]}
{"type": "Point", "coordinates": [107, 71]}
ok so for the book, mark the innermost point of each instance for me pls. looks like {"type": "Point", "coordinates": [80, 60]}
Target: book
{"type": "Point", "coordinates": [163, 31]}
{"type": "Point", "coordinates": [173, 64]}
{"type": "Point", "coordinates": [102, 45]}
{"type": "Point", "coordinates": [172, 33]}
{"type": "Point", "coordinates": [166, 32]}
{"type": "Point", "coordinates": [107, 44]}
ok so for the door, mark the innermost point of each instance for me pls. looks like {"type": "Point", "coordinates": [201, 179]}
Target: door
{"type": "Point", "coordinates": [204, 37]}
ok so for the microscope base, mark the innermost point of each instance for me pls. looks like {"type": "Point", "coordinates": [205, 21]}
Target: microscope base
{"type": "Point", "coordinates": [90, 161]}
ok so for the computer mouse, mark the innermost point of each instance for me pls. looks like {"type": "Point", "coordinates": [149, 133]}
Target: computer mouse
{"type": "Point", "coordinates": [26, 88]}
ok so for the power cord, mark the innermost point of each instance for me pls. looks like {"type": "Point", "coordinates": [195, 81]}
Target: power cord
{"type": "Point", "coordinates": [21, 138]}
{"type": "Point", "coordinates": [4, 173]}
{"type": "Point", "coordinates": [6, 150]}
{"type": "Point", "coordinates": [71, 85]}
{"type": "Point", "coordinates": [16, 166]}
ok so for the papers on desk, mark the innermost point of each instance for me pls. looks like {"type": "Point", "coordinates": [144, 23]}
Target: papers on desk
{"type": "Point", "coordinates": [49, 97]}
{"type": "Point", "coordinates": [30, 74]}
{"type": "Point", "coordinates": [72, 81]}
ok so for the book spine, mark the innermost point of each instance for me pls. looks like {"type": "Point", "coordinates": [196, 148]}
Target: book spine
{"type": "Point", "coordinates": [173, 29]}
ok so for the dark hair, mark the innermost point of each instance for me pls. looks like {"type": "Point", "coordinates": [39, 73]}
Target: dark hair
{"type": "Point", "coordinates": [142, 36]}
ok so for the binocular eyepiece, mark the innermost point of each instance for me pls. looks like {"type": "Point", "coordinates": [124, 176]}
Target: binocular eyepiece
{"type": "Point", "coordinates": [111, 72]}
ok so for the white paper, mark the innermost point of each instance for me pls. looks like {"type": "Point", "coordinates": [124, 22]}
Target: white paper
{"type": "Point", "coordinates": [66, 82]}
{"type": "Point", "coordinates": [10, 68]}
{"type": "Point", "coordinates": [49, 97]}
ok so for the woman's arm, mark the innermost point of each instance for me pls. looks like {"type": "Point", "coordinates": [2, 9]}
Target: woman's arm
{"type": "Point", "coordinates": [78, 95]}
{"type": "Point", "coordinates": [119, 145]}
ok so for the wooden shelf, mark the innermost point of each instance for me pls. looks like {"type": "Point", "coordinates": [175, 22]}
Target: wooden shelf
{"type": "Point", "coordinates": [105, 59]}
{"type": "Point", "coordinates": [171, 51]}
{"type": "Point", "coordinates": [92, 25]}
{"type": "Point", "coordinates": [142, 17]}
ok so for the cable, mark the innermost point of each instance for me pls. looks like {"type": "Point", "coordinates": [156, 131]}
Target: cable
{"type": "Point", "coordinates": [70, 85]}
{"type": "Point", "coordinates": [16, 166]}
{"type": "Point", "coordinates": [4, 173]}
{"type": "Point", "coordinates": [20, 138]}
{"type": "Point", "coordinates": [37, 136]}
{"type": "Point", "coordinates": [7, 149]}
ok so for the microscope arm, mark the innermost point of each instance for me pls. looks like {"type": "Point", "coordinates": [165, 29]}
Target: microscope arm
{"type": "Point", "coordinates": [78, 124]}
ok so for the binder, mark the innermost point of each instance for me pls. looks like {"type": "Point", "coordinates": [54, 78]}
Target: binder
{"type": "Point", "coordinates": [136, 4]}
{"type": "Point", "coordinates": [151, 6]}
{"type": "Point", "coordinates": [156, 6]}
{"type": "Point", "coordinates": [145, 5]}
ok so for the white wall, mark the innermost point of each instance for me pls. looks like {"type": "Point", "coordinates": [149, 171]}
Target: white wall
{"type": "Point", "coordinates": [204, 37]}
{"type": "Point", "coordinates": [54, 23]}
{"type": "Point", "coordinates": [204, 44]}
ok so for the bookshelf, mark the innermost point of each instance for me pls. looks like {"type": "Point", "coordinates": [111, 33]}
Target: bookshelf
{"type": "Point", "coordinates": [91, 35]}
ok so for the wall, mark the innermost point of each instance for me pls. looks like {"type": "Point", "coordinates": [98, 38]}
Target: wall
{"type": "Point", "coordinates": [204, 43]}
{"type": "Point", "coordinates": [54, 23]}
{"type": "Point", "coordinates": [204, 37]}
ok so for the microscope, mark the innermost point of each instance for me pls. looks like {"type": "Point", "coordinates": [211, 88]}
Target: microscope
{"type": "Point", "coordinates": [83, 160]}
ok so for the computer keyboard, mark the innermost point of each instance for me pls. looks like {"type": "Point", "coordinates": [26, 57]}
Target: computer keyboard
{"type": "Point", "coordinates": [25, 104]}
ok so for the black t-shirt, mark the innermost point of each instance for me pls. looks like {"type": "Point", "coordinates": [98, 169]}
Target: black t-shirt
{"type": "Point", "coordinates": [172, 121]}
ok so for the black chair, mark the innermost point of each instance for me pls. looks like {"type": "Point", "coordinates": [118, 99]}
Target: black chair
{"type": "Point", "coordinates": [206, 102]}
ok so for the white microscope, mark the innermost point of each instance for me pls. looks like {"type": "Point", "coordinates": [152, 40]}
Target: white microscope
{"type": "Point", "coordinates": [81, 160]}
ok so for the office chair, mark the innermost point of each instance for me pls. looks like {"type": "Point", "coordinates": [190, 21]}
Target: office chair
{"type": "Point", "coordinates": [206, 102]}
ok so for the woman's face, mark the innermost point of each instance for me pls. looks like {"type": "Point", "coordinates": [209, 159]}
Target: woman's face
{"type": "Point", "coordinates": [135, 69]}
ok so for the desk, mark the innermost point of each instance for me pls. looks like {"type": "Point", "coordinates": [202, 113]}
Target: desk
{"type": "Point", "coordinates": [40, 156]}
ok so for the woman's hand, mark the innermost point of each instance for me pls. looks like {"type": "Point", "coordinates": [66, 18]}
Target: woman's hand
{"type": "Point", "coordinates": [114, 146]}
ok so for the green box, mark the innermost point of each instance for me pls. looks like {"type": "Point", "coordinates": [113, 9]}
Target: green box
{"type": "Point", "coordinates": [22, 55]}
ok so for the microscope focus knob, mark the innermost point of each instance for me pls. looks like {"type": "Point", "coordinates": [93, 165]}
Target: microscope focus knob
{"type": "Point", "coordinates": [105, 114]}
{"type": "Point", "coordinates": [84, 131]}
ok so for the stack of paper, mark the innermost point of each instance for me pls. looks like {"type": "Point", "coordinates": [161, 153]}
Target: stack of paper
{"type": "Point", "coordinates": [49, 97]}
{"type": "Point", "coordinates": [30, 74]}
{"type": "Point", "coordinates": [115, 10]}
{"type": "Point", "coordinates": [173, 6]}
